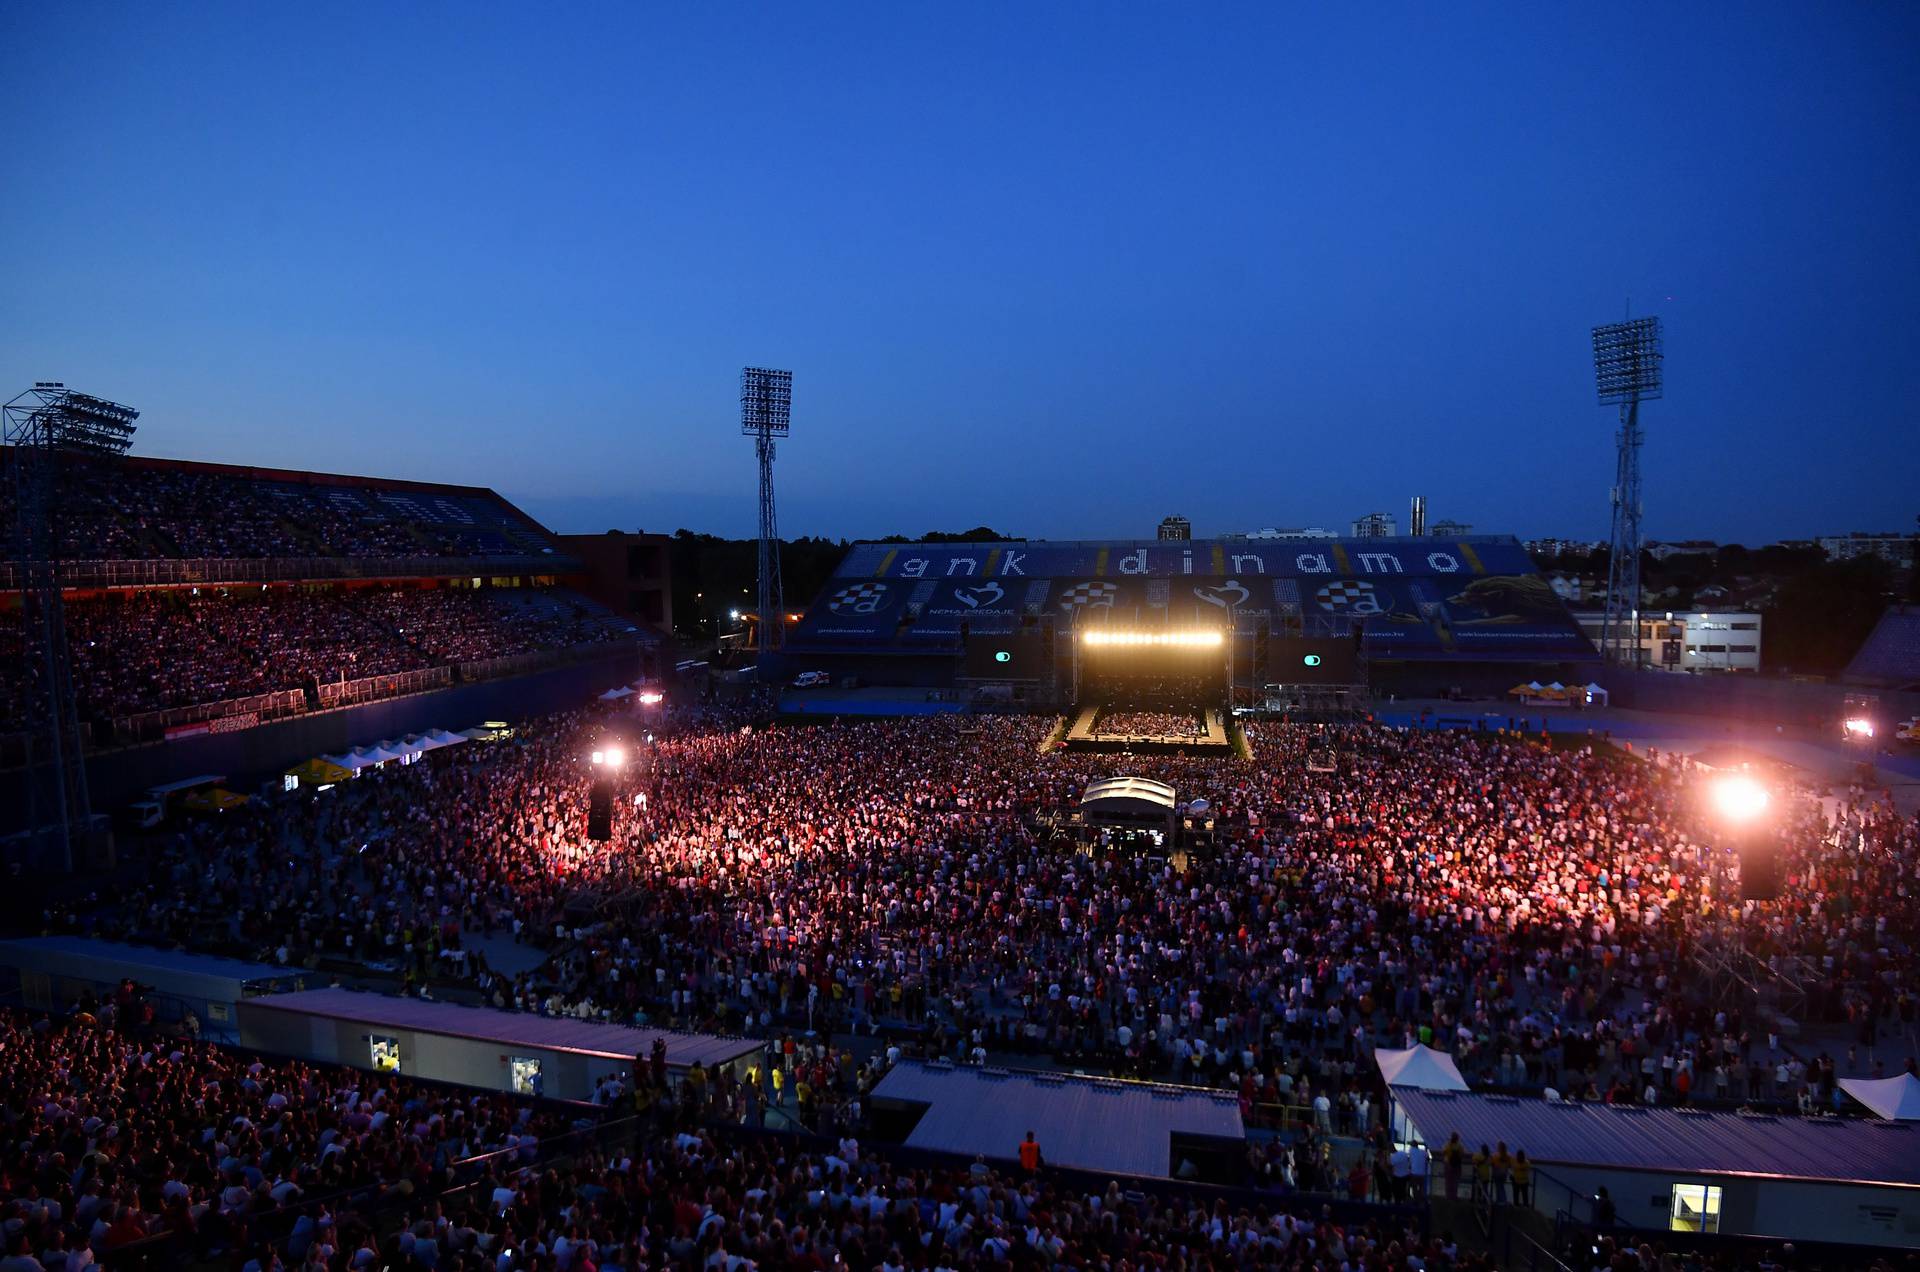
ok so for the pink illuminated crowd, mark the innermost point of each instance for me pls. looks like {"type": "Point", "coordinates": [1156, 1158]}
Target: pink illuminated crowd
{"type": "Point", "coordinates": [1545, 915]}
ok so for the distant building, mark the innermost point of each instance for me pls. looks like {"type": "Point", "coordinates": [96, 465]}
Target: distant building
{"type": "Point", "coordinates": [1567, 587]}
{"type": "Point", "coordinates": [1176, 528]}
{"type": "Point", "coordinates": [1895, 549]}
{"type": "Point", "coordinates": [1451, 529]}
{"type": "Point", "coordinates": [1289, 532]}
{"type": "Point", "coordinates": [1686, 547]}
{"type": "Point", "coordinates": [1561, 547]}
{"type": "Point", "coordinates": [626, 572]}
{"type": "Point", "coordinates": [1374, 525]}
{"type": "Point", "coordinates": [1699, 641]}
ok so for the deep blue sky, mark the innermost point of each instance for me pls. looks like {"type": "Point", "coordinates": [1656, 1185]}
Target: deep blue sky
{"type": "Point", "coordinates": [1057, 268]}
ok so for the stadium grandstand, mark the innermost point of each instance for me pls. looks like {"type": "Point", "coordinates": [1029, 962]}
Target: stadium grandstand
{"type": "Point", "coordinates": [1006, 619]}
{"type": "Point", "coordinates": [208, 597]}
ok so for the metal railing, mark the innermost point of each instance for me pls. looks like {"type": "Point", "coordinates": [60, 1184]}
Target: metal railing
{"type": "Point", "coordinates": [150, 726]}
{"type": "Point", "coordinates": [342, 693]}
{"type": "Point", "coordinates": [183, 571]}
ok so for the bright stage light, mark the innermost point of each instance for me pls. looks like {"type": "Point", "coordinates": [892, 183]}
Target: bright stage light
{"type": "Point", "coordinates": [1860, 728]}
{"type": "Point", "coordinates": [599, 757]}
{"type": "Point", "coordinates": [1738, 798]}
{"type": "Point", "coordinates": [615, 757]}
{"type": "Point", "coordinates": [1189, 640]}
{"type": "Point", "coordinates": [651, 697]}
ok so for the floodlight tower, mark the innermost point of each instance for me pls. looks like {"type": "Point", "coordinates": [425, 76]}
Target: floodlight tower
{"type": "Point", "coordinates": [40, 426]}
{"type": "Point", "coordinates": [1627, 359]}
{"type": "Point", "coordinates": [766, 412]}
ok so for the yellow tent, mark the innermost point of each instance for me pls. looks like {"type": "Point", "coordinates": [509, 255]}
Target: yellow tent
{"type": "Point", "coordinates": [319, 771]}
{"type": "Point", "coordinates": [212, 799]}
{"type": "Point", "coordinates": [1520, 691]}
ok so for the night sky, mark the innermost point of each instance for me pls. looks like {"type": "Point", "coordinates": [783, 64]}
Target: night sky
{"type": "Point", "coordinates": [1061, 269]}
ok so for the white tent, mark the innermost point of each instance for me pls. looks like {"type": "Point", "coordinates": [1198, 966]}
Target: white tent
{"type": "Point", "coordinates": [1896, 1098]}
{"type": "Point", "coordinates": [1420, 1066]}
{"type": "Point", "coordinates": [614, 695]}
{"type": "Point", "coordinates": [351, 760]}
{"type": "Point", "coordinates": [1596, 696]}
{"type": "Point", "coordinates": [444, 738]}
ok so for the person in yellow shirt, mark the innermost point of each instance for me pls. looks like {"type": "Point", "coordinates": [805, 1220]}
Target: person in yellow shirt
{"type": "Point", "coordinates": [779, 1085]}
{"type": "Point", "coordinates": [1482, 1174]}
{"type": "Point", "coordinates": [1522, 1179]}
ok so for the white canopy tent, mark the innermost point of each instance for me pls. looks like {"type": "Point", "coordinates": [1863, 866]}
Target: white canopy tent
{"type": "Point", "coordinates": [1420, 1066]}
{"type": "Point", "coordinates": [617, 693]}
{"type": "Point", "coordinates": [1896, 1098]}
{"type": "Point", "coordinates": [1596, 696]}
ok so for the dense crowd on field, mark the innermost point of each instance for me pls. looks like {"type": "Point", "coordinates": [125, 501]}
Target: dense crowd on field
{"type": "Point", "coordinates": [152, 651]}
{"type": "Point", "coordinates": [1543, 914]}
{"type": "Point", "coordinates": [116, 1141]}
{"type": "Point", "coordinates": [122, 511]}
{"type": "Point", "coordinates": [1150, 724]}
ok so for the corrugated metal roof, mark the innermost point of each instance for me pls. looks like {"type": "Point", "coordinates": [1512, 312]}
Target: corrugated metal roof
{"type": "Point", "coordinates": [1091, 1123]}
{"type": "Point", "coordinates": [1680, 1140]}
{"type": "Point", "coordinates": [508, 1028]}
{"type": "Point", "coordinates": [110, 960]}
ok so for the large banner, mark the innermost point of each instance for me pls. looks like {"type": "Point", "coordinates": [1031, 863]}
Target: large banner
{"type": "Point", "coordinates": [1412, 598]}
{"type": "Point", "coordinates": [1291, 558]}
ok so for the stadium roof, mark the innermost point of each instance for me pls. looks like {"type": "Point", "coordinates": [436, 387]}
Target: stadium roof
{"type": "Point", "coordinates": [85, 958]}
{"type": "Point", "coordinates": [1890, 655]}
{"type": "Point", "coordinates": [509, 1028]}
{"type": "Point", "coordinates": [1090, 1123]}
{"type": "Point", "coordinates": [1684, 1141]}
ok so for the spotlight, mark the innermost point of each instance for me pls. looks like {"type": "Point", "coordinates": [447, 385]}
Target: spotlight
{"type": "Point", "coordinates": [615, 757]}
{"type": "Point", "coordinates": [1860, 728]}
{"type": "Point", "coordinates": [599, 757]}
{"type": "Point", "coordinates": [651, 697]}
{"type": "Point", "coordinates": [1739, 798]}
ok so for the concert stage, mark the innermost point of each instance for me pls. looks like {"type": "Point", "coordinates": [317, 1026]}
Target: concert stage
{"type": "Point", "coordinates": [1085, 735]}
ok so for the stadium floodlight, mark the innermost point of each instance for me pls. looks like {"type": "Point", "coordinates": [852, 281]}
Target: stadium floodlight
{"type": "Point", "coordinates": [1627, 370]}
{"type": "Point", "coordinates": [766, 412]}
{"type": "Point", "coordinates": [1626, 361]}
{"type": "Point", "coordinates": [1739, 799]}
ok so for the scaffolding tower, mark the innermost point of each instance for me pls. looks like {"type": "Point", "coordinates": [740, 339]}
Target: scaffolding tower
{"type": "Point", "coordinates": [42, 426]}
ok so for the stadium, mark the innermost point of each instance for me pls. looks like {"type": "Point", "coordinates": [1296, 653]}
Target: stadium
{"type": "Point", "coordinates": [1099, 879]}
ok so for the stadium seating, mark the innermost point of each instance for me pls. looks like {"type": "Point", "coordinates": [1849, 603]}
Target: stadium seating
{"type": "Point", "coordinates": [163, 650]}
{"type": "Point", "coordinates": [145, 509]}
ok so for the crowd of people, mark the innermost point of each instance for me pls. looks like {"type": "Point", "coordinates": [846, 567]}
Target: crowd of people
{"type": "Point", "coordinates": [153, 651]}
{"type": "Point", "coordinates": [1150, 724]}
{"type": "Point", "coordinates": [1542, 914]}
{"type": "Point", "coordinates": [107, 509]}
{"type": "Point", "coordinates": [113, 1135]}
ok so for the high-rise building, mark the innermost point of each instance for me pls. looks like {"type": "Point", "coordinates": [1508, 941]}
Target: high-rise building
{"type": "Point", "coordinates": [1176, 528]}
{"type": "Point", "coordinates": [1374, 525]}
{"type": "Point", "coordinates": [1451, 529]}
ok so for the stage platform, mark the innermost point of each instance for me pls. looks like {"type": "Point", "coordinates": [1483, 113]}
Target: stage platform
{"type": "Point", "coordinates": [1082, 736]}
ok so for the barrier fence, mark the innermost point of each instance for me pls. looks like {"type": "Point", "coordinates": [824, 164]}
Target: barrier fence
{"type": "Point", "coordinates": [175, 572]}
